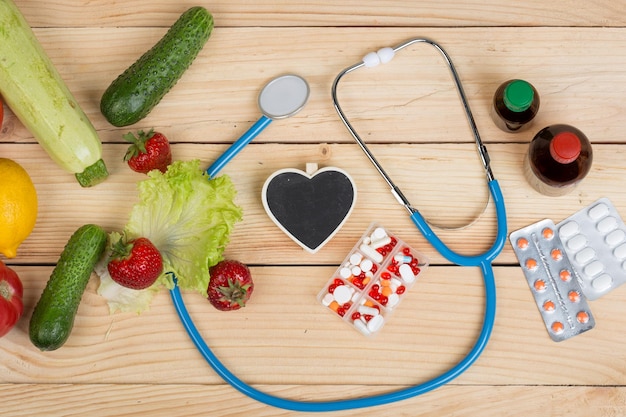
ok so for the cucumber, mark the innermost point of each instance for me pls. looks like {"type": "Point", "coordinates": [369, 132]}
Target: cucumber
{"type": "Point", "coordinates": [53, 317]}
{"type": "Point", "coordinates": [33, 89]}
{"type": "Point", "coordinates": [135, 92]}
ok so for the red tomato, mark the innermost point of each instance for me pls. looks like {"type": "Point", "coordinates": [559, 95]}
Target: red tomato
{"type": "Point", "coordinates": [11, 305]}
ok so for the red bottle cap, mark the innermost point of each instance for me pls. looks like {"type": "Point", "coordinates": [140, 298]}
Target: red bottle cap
{"type": "Point", "coordinates": [565, 147]}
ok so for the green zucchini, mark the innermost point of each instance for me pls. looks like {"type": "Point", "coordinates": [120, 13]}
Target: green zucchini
{"type": "Point", "coordinates": [135, 92]}
{"type": "Point", "coordinates": [33, 89]}
{"type": "Point", "coordinates": [53, 317]}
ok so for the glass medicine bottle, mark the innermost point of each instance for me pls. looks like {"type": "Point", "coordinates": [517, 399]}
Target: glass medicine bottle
{"type": "Point", "coordinates": [558, 158]}
{"type": "Point", "coordinates": [515, 105]}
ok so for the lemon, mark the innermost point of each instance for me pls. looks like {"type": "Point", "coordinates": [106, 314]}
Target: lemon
{"type": "Point", "coordinates": [18, 206]}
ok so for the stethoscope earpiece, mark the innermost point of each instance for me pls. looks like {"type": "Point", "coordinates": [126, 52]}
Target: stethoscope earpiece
{"type": "Point", "coordinates": [483, 261]}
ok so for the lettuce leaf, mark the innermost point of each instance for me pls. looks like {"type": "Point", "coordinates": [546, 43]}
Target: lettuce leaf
{"type": "Point", "coordinates": [189, 218]}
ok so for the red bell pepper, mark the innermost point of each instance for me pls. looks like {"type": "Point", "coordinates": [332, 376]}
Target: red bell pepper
{"type": "Point", "coordinates": [11, 305]}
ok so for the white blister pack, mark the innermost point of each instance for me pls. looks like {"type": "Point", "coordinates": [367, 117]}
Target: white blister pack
{"type": "Point", "coordinates": [594, 239]}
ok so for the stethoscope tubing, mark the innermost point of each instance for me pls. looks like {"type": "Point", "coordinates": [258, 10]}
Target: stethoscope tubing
{"type": "Point", "coordinates": [484, 261]}
{"type": "Point", "coordinates": [238, 145]}
{"type": "Point", "coordinates": [465, 260]}
{"type": "Point", "coordinates": [372, 401]}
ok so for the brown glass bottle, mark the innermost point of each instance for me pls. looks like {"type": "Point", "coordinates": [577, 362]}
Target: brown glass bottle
{"type": "Point", "coordinates": [558, 158]}
{"type": "Point", "coordinates": [515, 105]}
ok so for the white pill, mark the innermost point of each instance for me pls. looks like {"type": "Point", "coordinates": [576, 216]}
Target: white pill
{"type": "Point", "coordinates": [615, 237]}
{"type": "Point", "coordinates": [328, 298]}
{"type": "Point", "coordinates": [568, 229]}
{"type": "Point", "coordinates": [395, 283]}
{"type": "Point", "coordinates": [375, 323]}
{"type": "Point", "coordinates": [355, 296]}
{"type": "Point", "coordinates": [585, 255]}
{"type": "Point", "coordinates": [379, 243]}
{"type": "Point", "coordinates": [356, 271]}
{"type": "Point", "coordinates": [404, 259]}
{"type": "Point", "coordinates": [356, 258]}
{"type": "Point", "coordinates": [370, 311]}
{"type": "Point", "coordinates": [392, 300]}
{"type": "Point", "coordinates": [624, 265]}
{"type": "Point", "coordinates": [371, 252]}
{"type": "Point", "coordinates": [598, 211]}
{"type": "Point", "coordinates": [577, 242]}
{"type": "Point", "coordinates": [620, 251]}
{"type": "Point", "coordinates": [602, 283]}
{"type": "Point", "coordinates": [362, 327]}
{"type": "Point", "coordinates": [379, 233]}
{"type": "Point", "coordinates": [594, 268]}
{"type": "Point", "coordinates": [606, 225]}
{"type": "Point", "coordinates": [406, 273]}
{"type": "Point", "coordinates": [342, 294]}
{"type": "Point", "coordinates": [366, 265]}
{"type": "Point", "coordinates": [345, 273]}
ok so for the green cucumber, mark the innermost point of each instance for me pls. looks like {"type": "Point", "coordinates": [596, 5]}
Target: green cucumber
{"type": "Point", "coordinates": [33, 89]}
{"type": "Point", "coordinates": [53, 317]}
{"type": "Point", "coordinates": [135, 92]}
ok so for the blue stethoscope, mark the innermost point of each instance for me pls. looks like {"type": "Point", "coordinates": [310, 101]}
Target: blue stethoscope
{"type": "Point", "coordinates": [299, 90]}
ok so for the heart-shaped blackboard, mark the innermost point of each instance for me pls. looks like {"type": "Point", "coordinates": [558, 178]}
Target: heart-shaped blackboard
{"type": "Point", "coordinates": [310, 207]}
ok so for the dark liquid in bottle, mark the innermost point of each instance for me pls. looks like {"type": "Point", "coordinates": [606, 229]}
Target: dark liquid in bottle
{"type": "Point", "coordinates": [558, 157]}
{"type": "Point", "coordinates": [515, 105]}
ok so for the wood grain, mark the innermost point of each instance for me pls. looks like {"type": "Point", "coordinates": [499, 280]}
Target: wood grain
{"type": "Point", "coordinates": [331, 13]}
{"type": "Point", "coordinates": [284, 342]}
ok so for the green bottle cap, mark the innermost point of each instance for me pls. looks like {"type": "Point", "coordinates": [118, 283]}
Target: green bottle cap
{"type": "Point", "coordinates": [518, 95]}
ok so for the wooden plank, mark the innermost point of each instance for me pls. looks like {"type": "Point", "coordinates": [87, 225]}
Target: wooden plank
{"type": "Point", "coordinates": [215, 101]}
{"type": "Point", "coordinates": [418, 169]}
{"type": "Point", "coordinates": [284, 342]}
{"type": "Point", "coordinates": [329, 13]}
{"type": "Point", "coordinates": [284, 336]}
{"type": "Point", "coordinates": [56, 400]}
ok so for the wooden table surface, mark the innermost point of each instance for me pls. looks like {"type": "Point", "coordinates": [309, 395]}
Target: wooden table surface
{"type": "Point", "coordinates": [284, 342]}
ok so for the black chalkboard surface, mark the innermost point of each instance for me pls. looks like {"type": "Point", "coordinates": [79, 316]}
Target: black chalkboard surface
{"type": "Point", "coordinates": [310, 207]}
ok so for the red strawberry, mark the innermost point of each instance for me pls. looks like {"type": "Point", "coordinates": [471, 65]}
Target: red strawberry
{"type": "Point", "coordinates": [135, 264]}
{"type": "Point", "coordinates": [148, 151]}
{"type": "Point", "coordinates": [230, 285]}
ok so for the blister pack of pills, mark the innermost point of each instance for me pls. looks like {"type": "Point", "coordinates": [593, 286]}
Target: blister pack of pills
{"type": "Point", "coordinates": [372, 280]}
{"type": "Point", "coordinates": [595, 241]}
{"type": "Point", "coordinates": [552, 280]}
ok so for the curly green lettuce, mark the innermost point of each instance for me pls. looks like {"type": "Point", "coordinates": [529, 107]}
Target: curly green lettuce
{"type": "Point", "coordinates": [189, 218]}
